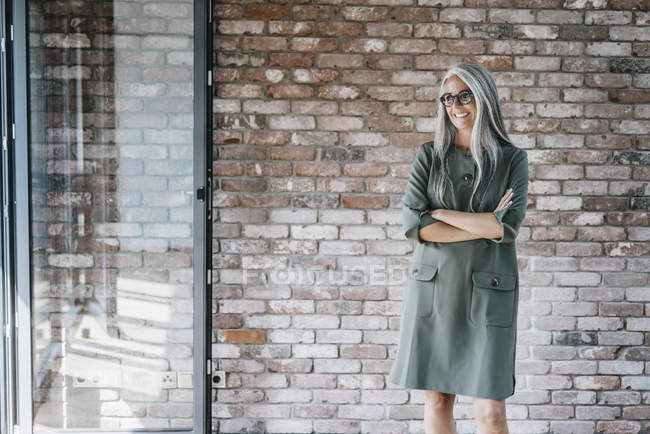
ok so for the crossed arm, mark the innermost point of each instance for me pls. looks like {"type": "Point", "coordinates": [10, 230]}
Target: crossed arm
{"type": "Point", "coordinates": [444, 225]}
{"type": "Point", "coordinates": [460, 226]}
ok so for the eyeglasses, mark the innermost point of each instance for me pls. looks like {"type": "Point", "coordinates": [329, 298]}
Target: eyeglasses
{"type": "Point", "coordinates": [464, 97]}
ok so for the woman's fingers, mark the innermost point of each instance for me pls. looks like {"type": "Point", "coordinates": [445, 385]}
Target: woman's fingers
{"type": "Point", "coordinates": [505, 199]}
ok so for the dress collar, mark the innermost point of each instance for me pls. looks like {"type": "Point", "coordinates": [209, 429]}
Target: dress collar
{"type": "Point", "coordinates": [464, 152]}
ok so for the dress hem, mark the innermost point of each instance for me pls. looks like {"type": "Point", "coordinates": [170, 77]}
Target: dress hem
{"type": "Point", "coordinates": [442, 389]}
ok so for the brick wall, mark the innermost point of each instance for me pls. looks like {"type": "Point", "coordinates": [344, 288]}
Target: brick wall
{"type": "Point", "coordinates": [319, 108]}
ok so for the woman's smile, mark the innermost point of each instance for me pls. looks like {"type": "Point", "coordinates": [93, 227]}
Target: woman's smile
{"type": "Point", "coordinates": [461, 115]}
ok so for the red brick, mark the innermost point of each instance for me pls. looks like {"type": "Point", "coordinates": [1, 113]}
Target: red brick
{"type": "Point", "coordinates": [337, 28]}
{"type": "Point", "coordinates": [339, 60]}
{"type": "Point", "coordinates": [265, 12]}
{"type": "Point", "coordinates": [243, 336]}
{"type": "Point", "coordinates": [314, 75]}
{"type": "Point", "coordinates": [359, 45]}
{"type": "Point", "coordinates": [600, 382]}
{"type": "Point", "coordinates": [266, 138]}
{"type": "Point", "coordinates": [390, 124]}
{"type": "Point", "coordinates": [359, 13]}
{"type": "Point", "coordinates": [264, 75]}
{"type": "Point", "coordinates": [313, 12]}
{"type": "Point", "coordinates": [364, 77]}
{"type": "Point", "coordinates": [290, 28]}
{"type": "Point", "coordinates": [630, 96]}
{"type": "Point", "coordinates": [289, 91]}
{"type": "Point", "coordinates": [313, 44]}
{"type": "Point", "coordinates": [338, 92]}
{"type": "Point", "coordinates": [316, 169]}
{"type": "Point", "coordinates": [628, 4]}
{"type": "Point", "coordinates": [263, 200]}
{"type": "Point", "coordinates": [410, 15]}
{"type": "Point", "coordinates": [365, 202]}
{"type": "Point", "coordinates": [291, 59]}
{"type": "Point", "coordinates": [389, 29]}
{"type": "Point", "coordinates": [493, 63]}
{"type": "Point", "coordinates": [453, 46]}
{"type": "Point", "coordinates": [264, 43]}
{"type": "Point", "coordinates": [386, 61]}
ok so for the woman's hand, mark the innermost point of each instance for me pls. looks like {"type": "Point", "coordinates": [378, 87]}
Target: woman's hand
{"type": "Point", "coordinates": [505, 200]}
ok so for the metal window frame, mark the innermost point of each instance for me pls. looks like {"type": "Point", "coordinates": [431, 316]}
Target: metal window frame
{"type": "Point", "coordinates": [7, 344]}
{"type": "Point", "coordinates": [16, 394]}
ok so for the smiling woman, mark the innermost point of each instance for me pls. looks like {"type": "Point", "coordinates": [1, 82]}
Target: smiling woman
{"type": "Point", "coordinates": [464, 202]}
{"type": "Point", "coordinates": [463, 113]}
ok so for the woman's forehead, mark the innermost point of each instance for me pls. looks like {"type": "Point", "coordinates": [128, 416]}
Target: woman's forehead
{"type": "Point", "coordinates": [454, 85]}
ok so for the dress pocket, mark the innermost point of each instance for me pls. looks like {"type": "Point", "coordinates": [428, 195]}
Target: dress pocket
{"type": "Point", "coordinates": [493, 298]}
{"type": "Point", "coordinates": [421, 285]}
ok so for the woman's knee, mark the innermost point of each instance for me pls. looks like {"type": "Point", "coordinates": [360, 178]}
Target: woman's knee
{"type": "Point", "coordinates": [439, 401]}
{"type": "Point", "coordinates": [492, 417]}
{"type": "Point", "coordinates": [490, 413]}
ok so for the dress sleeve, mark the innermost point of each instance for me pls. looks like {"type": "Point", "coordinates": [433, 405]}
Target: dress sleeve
{"type": "Point", "coordinates": [510, 218]}
{"type": "Point", "coordinates": [416, 203]}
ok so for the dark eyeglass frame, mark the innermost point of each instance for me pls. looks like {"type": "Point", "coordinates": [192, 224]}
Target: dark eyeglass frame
{"type": "Point", "coordinates": [461, 96]}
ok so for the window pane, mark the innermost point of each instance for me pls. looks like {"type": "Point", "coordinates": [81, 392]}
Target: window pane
{"type": "Point", "coordinates": [112, 195]}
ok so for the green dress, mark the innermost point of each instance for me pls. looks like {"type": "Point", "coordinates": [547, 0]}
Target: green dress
{"type": "Point", "coordinates": [458, 324]}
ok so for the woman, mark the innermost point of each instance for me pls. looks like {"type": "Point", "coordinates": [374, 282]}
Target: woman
{"type": "Point", "coordinates": [464, 203]}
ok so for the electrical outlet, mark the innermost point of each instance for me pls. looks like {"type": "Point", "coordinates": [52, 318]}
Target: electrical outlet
{"type": "Point", "coordinates": [185, 380]}
{"type": "Point", "coordinates": [91, 380]}
{"type": "Point", "coordinates": [219, 379]}
{"type": "Point", "coordinates": [96, 378]}
{"type": "Point", "coordinates": [168, 380]}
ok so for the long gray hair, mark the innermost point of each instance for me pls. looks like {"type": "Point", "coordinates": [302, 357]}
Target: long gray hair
{"type": "Point", "coordinates": [488, 131]}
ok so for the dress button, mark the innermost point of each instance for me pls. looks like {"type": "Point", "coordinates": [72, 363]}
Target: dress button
{"type": "Point", "coordinates": [468, 177]}
{"type": "Point", "coordinates": [495, 282]}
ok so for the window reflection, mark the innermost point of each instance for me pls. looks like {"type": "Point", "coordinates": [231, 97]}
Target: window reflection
{"type": "Point", "coordinates": [111, 172]}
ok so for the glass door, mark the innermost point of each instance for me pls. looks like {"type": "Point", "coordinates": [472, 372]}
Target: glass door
{"type": "Point", "coordinates": [112, 230]}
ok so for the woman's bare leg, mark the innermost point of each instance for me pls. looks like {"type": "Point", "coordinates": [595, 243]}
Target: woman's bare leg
{"type": "Point", "coordinates": [439, 412]}
{"type": "Point", "coordinates": [490, 416]}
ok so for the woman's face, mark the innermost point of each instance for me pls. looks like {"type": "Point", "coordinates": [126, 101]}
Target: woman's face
{"type": "Point", "coordinates": [467, 112]}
